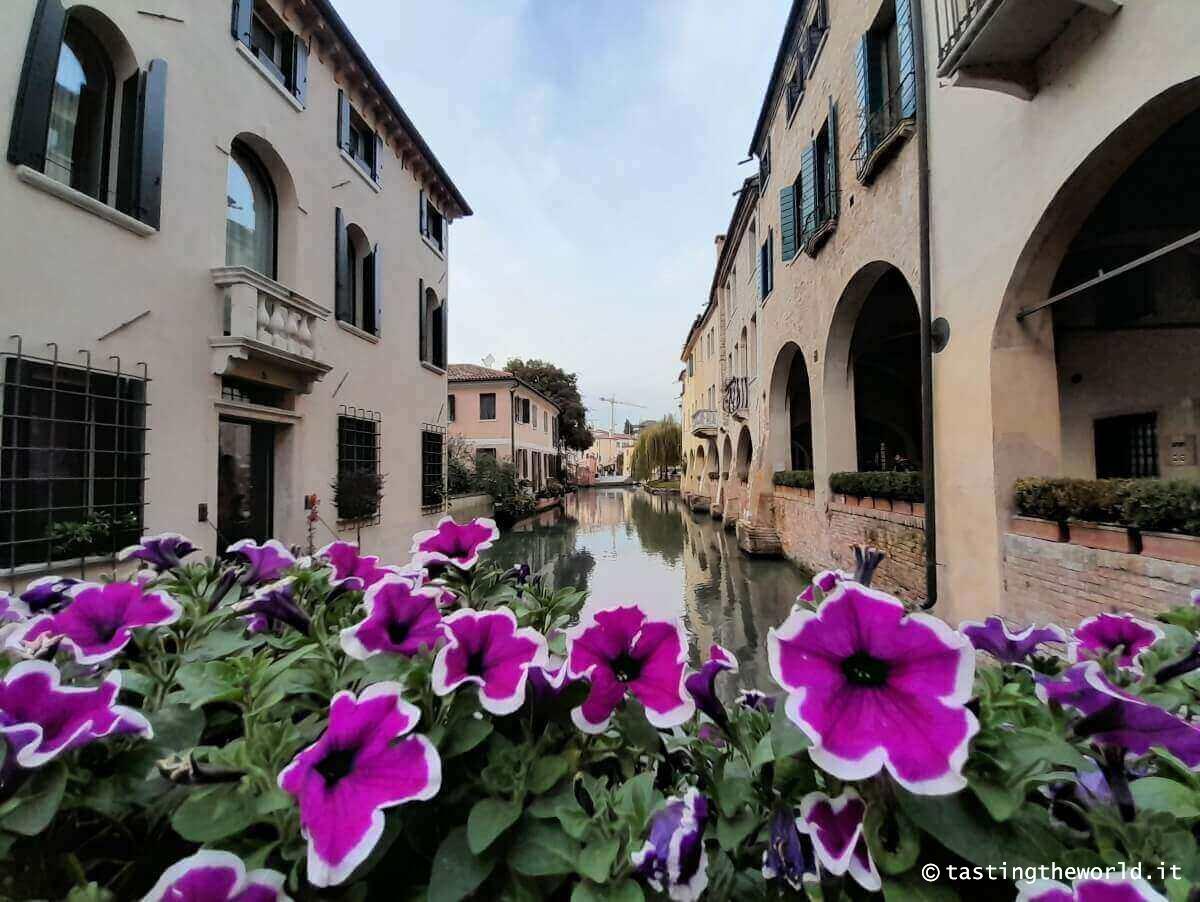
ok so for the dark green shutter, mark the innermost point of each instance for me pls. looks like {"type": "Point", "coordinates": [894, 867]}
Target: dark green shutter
{"type": "Point", "coordinates": [240, 23]}
{"type": "Point", "coordinates": [420, 319]}
{"type": "Point", "coordinates": [127, 144]}
{"type": "Point", "coordinates": [151, 141]}
{"type": "Point", "coordinates": [761, 286]}
{"type": "Point", "coordinates": [444, 348]}
{"type": "Point", "coordinates": [381, 149]}
{"type": "Point", "coordinates": [31, 112]}
{"type": "Point", "coordinates": [300, 69]}
{"type": "Point", "coordinates": [787, 222]}
{"type": "Point", "coordinates": [373, 302]}
{"type": "Point", "coordinates": [831, 161]}
{"type": "Point", "coordinates": [343, 123]}
{"type": "Point", "coordinates": [863, 89]}
{"type": "Point", "coordinates": [908, 63]}
{"type": "Point", "coordinates": [343, 302]}
{"type": "Point", "coordinates": [808, 194]}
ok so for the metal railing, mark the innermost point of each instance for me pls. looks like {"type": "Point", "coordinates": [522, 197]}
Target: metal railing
{"type": "Point", "coordinates": [736, 395]}
{"type": "Point", "coordinates": [876, 128]}
{"type": "Point", "coordinates": [953, 18]}
{"type": "Point", "coordinates": [704, 419]}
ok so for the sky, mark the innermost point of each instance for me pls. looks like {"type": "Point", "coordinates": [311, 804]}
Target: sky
{"type": "Point", "coordinates": [598, 144]}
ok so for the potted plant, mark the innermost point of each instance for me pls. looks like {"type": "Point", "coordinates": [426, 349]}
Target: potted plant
{"type": "Point", "coordinates": [1095, 507]}
{"type": "Point", "coordinates": [1042, 510]}
{"type": "Point", "coordinates": [1167, 516]}
{"type": "Point", "coordinates": [357, 495]}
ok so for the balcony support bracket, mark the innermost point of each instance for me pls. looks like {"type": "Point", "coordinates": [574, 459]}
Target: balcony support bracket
{"type": "Point", "coordinates": [1015, 79]}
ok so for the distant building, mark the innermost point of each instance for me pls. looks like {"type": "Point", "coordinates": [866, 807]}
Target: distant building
{"type": "Point", "coordinates": [499, 415]}
{"type": "Point", "coordinates": [610, 454]}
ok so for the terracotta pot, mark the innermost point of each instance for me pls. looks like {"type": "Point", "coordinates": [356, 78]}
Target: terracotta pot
{"type": "Point", "coordinates": [867, 501]}
{"type": "Point", "coordinates": [902, 507]}
{"type": "Point", "coordinates": [919, 509]}
{"type": "Point", "coordinates": [1037, 528]}
{"type": "Point", "coordinates": [1102, 536]}
{"type": "Point", "coordinates": [883, 504]}
{"type": "Point", "coordinates": [840, 499]}
{"type": "Point", "coordinates": [1172, 546]}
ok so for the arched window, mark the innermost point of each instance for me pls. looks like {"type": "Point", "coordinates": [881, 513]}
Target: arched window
{"type": "Point", "coordinates": [433, 329]}
{"type": "Point", "coordinates": [81, 113]}
{"type": "Point", "coordinates": [251, 213]}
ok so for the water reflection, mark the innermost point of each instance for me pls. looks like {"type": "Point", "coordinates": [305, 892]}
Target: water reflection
{"type": "Point", "coordinates": [626, 545]}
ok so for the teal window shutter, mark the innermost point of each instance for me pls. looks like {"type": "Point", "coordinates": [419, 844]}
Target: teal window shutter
{"type": "Point", "coordinates": [761, 275]}
{"type": "Point", "coordinates": [908, 65]}
{"type": "Point", "coordinates": [808, 194]}
{"type": "Point", "coordinates": [863, 67]}
{"type": "Point", "coordinates": [831, 161]}
{"type": "Point", "coordinates": [787, 222]}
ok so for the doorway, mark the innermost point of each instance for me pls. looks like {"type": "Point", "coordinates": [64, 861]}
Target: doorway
{"type": "Point", "coordinates": [245, 480]}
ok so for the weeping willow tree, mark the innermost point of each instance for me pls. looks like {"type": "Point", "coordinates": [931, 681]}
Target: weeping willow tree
{"type": "Point", "coordinates": [659, 447]}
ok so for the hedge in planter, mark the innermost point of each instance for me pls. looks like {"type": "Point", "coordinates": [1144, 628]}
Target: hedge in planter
{"type": "Point", "coordinates": [275, 727]}
{"type": "Point", "coordinates": [1147, 504]}
{"type": "Point", "coordinates": [895, 485]}
{"type": "Point", "coordinates": [796, 479]}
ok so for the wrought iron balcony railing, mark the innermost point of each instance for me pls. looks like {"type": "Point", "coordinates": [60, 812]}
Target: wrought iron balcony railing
{"type": "Point", "coordinates": [953, 18]}
{"type": "Point", "coordinates": [704, 421]}
{"type": "Point", "coordinates": [879, 132]}
{"type": "Point", "coordinates": [736, 395]}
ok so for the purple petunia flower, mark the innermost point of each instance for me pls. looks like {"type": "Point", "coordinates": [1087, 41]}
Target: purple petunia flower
{"type": "Point", "coordinates": [212, 876]}
{"type": "Point", "coordinates": [40, 718]}
{"type": "Point", "coordinates": [837, 827]}
{"type": "Point", "coordinates": [674, 860]}
{"type": "Point", "coordinates": [621, 650]}
{"type": "Point", "coordinates": [401, 620]}
{"type": "Point", "coordinates": [754, 700]}
{"type": "Point", "coordinates": [276, 602]}
{"type": "Point", "coordinates": [789, 854]}
{"type": "Point", "coordinates": [1121, 634]}
{"type": "Point", "coordinates": [99, 619]}
{"type": "Point", "coordinates": [873, 686]}
{"type": "Point", "coordinates": [359, 767]}
{"type": "Point", "coordinates": [701, 685]}
{"type": "Point", "coordinates": [826, 581]}
{"type": "Point", "coordinates": [268, 561]}
{"type": "Point", "coordinates": [1093, 889]}
{"type": "Point", "coordinates": [164, 551]}
{"type": "Point", "coordinates": [353, 570]}
{"type": "Point", "coordinates": [12, 610]}
{"type": "Point", "coordinates": [487, 649]}
{"type": "Point", "coordinates": [1115, 718]}
{"type": "Point", "coordinates": [994, 637]}
{"type": "Point", "coordinates": [453, 543]}
{"type": "Point", "coordinates": [47, 593]}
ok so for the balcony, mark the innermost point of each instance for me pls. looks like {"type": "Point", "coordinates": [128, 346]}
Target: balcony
{"type": "Point", "coordinates": [736, 397]}
{"type": "Point", "coordinates": [704, 423]}
{"type": "Point", "coordinates": [995, 44]}
{"type": "Point", "coordinates": [270, 332]}
{"type": "Point", "coordinates": [885, 130]}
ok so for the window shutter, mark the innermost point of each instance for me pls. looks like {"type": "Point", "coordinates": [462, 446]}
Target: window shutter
{"type": "Point", "coordinates": [770, 255]}
{"type": "Point", "coordinates": [127, 144]}
{"type": "Point", "coordinates": [421, 215]}
{"type": "Point", "coordinates": [908, 64]}
{"type": "Point", "coordinates": [150, 143]}
{"type": "Point", "coordinates": [381, 149]}
{"type": "Point", "coordinates": [808, 194]}
{"type": "Point", "coordinates": [374, 302]}
{"type": "Point", "coordinates": [831, 161]}
{"type": "Point", "coordinates": [241, 20]}
{"type": "Point", "coordinates": [300, 69]}
{"type": "Point", "coordinates": [420, 319]}
{"type": "Point", "coordinates": [863, 66]}
{"type": "Point", "coordinates": [343, 122]}
{"type": "Point", "coordinates": [787, 222]}
{"type": "Point", "coordinates": [443, 354]}
{"type": "Point", "coordinates": [761, 288]}
{"type": "Point", "coordinates": [343, 303]}
{"type": "Point", "coordinates": [31, 112]}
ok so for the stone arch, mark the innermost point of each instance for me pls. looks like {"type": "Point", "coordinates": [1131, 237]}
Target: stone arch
{"type": "Point", "coordinates": [789, 440]}
{"type": "Point", "coordinates": [726, 456]}
{"type": "Point", "coordinates": [745, 454]}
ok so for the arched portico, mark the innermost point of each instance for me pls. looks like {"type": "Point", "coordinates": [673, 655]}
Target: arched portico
{"type": "Point", "coordinates": [789, 439]}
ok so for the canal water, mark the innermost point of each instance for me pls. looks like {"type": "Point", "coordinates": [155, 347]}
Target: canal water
{"type": "Point", "coordinates": [625, 545]}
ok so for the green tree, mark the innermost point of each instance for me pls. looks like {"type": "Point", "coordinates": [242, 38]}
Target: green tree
{"type": "Point", "coordinates": [659, 447]}
{"type": "Point", "coordinates": [562, 388]}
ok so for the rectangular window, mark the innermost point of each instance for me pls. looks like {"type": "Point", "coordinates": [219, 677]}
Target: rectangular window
{"type": "Point", "coordinates": [277, 48]}
{"type": "Point", "coordinates": [433, 468]}
{"type": "Point", "coordinates": [525, 410]}
{"type": "Point", "coordinates": [1127, 447]}
{"type": "Point", "coordinates": [433, 224]}
{"type": "Point", "coordinates": [72, 461]}
{"type": "Point", "coordinates": [534, 408]}
{"type": "Point", "coordinates": [450, 408]}
{"type": "Point", "coordinates": [764, 162]}
{"type": "Point", "coordinates": [358, 444]}
{"type": "Point", "coordinates": [485, 452]}
{"type": "Point", "coordinates": [362, 143]}
{"type": "Point", "coordinates": [822, 161]}
{"type": "Point", "coordinates": [766, 263]}
{"type": "Point", "coordinates": [545, 421]}
{"type": "Point", "coordinates": [487, 406]}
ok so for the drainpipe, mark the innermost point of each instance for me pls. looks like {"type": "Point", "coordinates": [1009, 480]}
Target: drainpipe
{"type": "Point", "coordinates": [512, 425]}
{"type": "Point", "coordinates": [927, 462]}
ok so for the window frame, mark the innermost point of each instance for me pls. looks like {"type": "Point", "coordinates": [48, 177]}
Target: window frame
{"type": "Point", "coordinates": [239, 148]}
{"type": "Point", "coordinates": [433, 496]}
{"type": "Point", "coordinates": [482, 396]}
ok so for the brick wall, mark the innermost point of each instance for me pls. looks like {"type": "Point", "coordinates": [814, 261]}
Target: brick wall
{"type": "Point", "coordinates": [820, 540]}
{"type": "Point", "coordinates": [1063, 583]}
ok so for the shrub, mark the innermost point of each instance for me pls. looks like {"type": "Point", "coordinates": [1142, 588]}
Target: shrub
{"type": "Point", "coordinates": [1153, 504]}
{"type": "Point", "coordinates": [357, 495]}
{"type": "Point", "coordinates": [894, 484]}
{"type": "Point", "coordinates": [795, 479]}
{"type": "Point", "coordinates": [1163, 506]}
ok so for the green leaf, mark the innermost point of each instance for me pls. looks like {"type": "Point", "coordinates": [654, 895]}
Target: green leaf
{"type": "Point", "coordinates": [545, 773]}
{"type": "Point", "coordinates": [764, 753]}
{"type": "Point", "coordinates": [636, 798]}
{"type": "Point", "coordinates": [456, 872]}
{"type": "Point", "coordinates": [213, 681]}
{"type": "Point", "coordinates": [177, 728]}
{"type": "Point", "coordinates": [1001, 802]}
{"type": "Point", "coordinates": [1163, 794]}
{"type": "Point", "coordinates": [597, 858]}
{"type": "Point", "coordinates": [786, 738]}
{"type": "Point", "coordinates": [219, 644]}
{"type": "Point", "coordinates": [543, 850]}
{"type": "Point", "coordinates": [893, 839]}
{"type": "Point", "coordinates": [465, 736]}
{"type": "Point", "coordinates": [213, 813]}
{"type": "Point", "coordinates": [625, 891]}
{"type": "Point", "coordinates": [732, 793]}
{"type": "Point", "coordinates": [37, 802]}
{"type": "Point", "coordinates": [91, 892]}
{"type": "Point", "coordinates": [732, 830]}
{"type": "Point", "coordinates": [488, 820]}
{"type": "Point", "coordinates": [631, 723]}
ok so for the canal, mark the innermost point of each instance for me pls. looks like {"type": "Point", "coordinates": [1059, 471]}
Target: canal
{"type": "Point", "coordinates": [626, 545]}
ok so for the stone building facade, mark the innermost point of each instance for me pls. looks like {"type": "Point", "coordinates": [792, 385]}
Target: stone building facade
{"type": "Point", "coordinates": [226, 256]}
{"type": "Point", "coordinates": [893, 327]}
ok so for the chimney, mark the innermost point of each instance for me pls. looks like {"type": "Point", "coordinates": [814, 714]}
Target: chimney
{"type": "Point", "coordinates": [719, 241]}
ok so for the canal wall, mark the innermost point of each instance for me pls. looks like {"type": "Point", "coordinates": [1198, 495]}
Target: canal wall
{"type": "Point", "coordinates": [820, 539]}
{"type": "Point", "coordinates": [464, 507]}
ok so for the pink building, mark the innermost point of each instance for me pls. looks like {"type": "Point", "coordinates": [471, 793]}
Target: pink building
{"type": "Point", "coordinates": [498, 415]}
